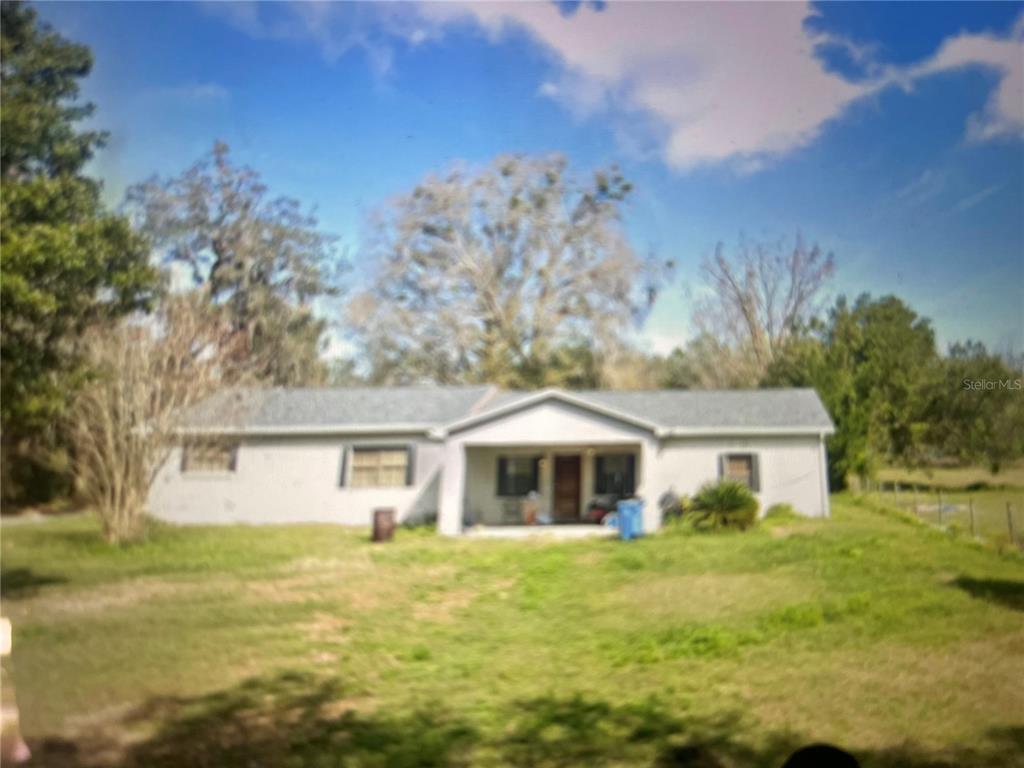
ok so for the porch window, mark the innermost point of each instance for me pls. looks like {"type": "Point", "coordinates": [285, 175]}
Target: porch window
{"type": "Point", "coordinates": [741, 467]}
{"type": "Point", "coordinates": [615, 474]}
{"type": "Point", "coordinates": [209, 456]}
{"type": "Point", "coordinates": [381, 467]}
{"type": "Point", "coordinates": [518, 475]}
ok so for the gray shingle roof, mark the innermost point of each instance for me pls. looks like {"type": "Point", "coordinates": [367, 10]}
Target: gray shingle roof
{"type": "Point", "coordinates": [705, 409]}
{"type": "Point", "coordinates": [336, 407]}
{"type": "Point", "coordinates": [435, 406]}
{"type": "Point", "coordinates": [764, 408]}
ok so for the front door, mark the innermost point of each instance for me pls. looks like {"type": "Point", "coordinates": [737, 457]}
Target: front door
{"type": "Point", "coordinates": [567, 489]}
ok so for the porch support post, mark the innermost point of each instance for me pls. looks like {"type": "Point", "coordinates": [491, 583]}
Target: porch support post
{"type": "Point", "coordinates": [648, 490]}
{"type": "Point", "coordinates": [453, 490]}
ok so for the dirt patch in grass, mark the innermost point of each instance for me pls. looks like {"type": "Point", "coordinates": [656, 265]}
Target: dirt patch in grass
{"type": "Point", "coordinates": [781, 532]}
{"type": "Point", "coordinates": [325, 626]}
{"type": "Point", "coordinates": [443, 606]}
{"type": "Point", "coordinates": [700, 597]}
{"type": "Point", "coordinates": [289, 589]}
{"type": "Point", "coordinates": [78, 604]}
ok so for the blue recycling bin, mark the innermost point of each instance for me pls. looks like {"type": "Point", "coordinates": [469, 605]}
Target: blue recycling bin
{"type": "Point", "coordinates": [631, 518]}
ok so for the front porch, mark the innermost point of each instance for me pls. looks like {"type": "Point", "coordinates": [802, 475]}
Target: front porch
{"type": "Point", "coordinates": [563, 489]}
{"type": "Point", "coordinates": [557, 532]}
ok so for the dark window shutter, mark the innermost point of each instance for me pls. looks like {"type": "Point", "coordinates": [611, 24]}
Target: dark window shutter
{"type": "Point", "coordinates": [629, 483]}
{"type": "Point", "coordinates": [184, 457]}
{"type": "Point", "coordinates": [344, 466]}
{"type": "Point", "coordinates": [502, 476]}
{"type": "Point", "coordinates": [755, 473]}
{"type": "Point", "coordinates": [233, 460]}
{"type": "Point", "coordinates": [410, 464]}
{"type": "Point", "coordinates": [721, 466]}
{"type": "Point", "coordinates": [535, 479]}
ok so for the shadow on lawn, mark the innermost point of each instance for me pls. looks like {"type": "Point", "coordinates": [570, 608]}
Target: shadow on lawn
{"type": "Point", "coordinates": [1004, 592]}
{"type": "Point", "coordinates": [24, 582]}
{"type": "Point", "coordinates": [298, 720]}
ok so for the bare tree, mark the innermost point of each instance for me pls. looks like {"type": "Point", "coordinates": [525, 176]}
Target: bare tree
{"type": "Point", "coordinates": [125, 421]}
{"type": "Point", "coordinates": [487, 275]}
{"type": "Point", "coordinates": [761, 298]}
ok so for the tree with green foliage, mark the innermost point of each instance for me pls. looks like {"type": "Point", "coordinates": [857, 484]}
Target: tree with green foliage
{"type": "Point", "coordinates": [976, 409]}
{"type": "Point", "coordinates": [514, 274]}
{"type": "Point", "coordinates": [263, 259]}
{"type": "Point", "coordinates": [873, 363]}
{"type": "Point", "coordinates": [66, 263]}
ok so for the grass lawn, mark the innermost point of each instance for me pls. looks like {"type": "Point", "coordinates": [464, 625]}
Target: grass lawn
{"type": "Point", "coordinates": [308, 646]}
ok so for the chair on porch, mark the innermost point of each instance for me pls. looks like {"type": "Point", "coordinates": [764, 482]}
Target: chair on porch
{"type": "Point", "coordinates": [512, 512]}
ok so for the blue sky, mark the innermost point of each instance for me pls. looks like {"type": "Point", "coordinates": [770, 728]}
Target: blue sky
{"type": "Point", "coordinates": [889, 133]}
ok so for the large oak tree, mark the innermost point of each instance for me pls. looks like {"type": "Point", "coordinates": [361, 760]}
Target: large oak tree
{"type": "Point", "coordinates": [517, 274]}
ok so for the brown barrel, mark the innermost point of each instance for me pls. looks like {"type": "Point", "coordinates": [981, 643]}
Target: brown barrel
{"type": "Point", "coordinates": [383, 524]}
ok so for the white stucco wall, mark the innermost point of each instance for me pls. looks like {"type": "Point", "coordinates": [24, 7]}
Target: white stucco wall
{"type": "Point", "coordinates": [293, 479]}
{"type": "Point", "coordinates": [791, 468]}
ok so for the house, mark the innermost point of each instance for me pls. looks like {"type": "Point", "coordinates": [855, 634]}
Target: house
{"type": "Point", "coordinates": [471, 454]}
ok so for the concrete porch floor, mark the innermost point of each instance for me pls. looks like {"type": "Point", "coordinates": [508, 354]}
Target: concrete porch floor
{"type": "Point", "coordinates": [540, 531]}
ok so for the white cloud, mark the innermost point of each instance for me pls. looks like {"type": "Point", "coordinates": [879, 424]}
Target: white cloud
{"type": "Point", "coordinates": [729, 82]}
{"type": "Point", "coordinates": [335, 28]}
{"type": "Point", "coordinates": [705, 83]}
{"type": "Point", "coordinates": [1003, 114]}
{"type": "Point", "coordinates": [977, 198]}
{"type": "Point", "coordinates": [923, 187]}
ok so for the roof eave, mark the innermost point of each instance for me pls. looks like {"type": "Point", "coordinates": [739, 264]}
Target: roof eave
{"type": "Point", "coordinates": [328, 429]}
{"type": "Point", "coordinates": [539, 397]}
{"type": "Point", "coordinates": [743, 431]}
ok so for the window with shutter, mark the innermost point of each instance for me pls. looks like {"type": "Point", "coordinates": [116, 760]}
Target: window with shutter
{"type": "Point", "coordinates": [518, 475]}
{"type": "Point", "coordinates": [741, 467]}
{"type": "Point", "coordinates": [209, 456]}
{"type": "Point", "coordinates": [615, 474]}
{"type": "Point", "coordinates": [380, 467]}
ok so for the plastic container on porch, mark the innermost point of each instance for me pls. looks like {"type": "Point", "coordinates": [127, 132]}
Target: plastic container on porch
{"type": "Point", "coordinates": [630, 514]}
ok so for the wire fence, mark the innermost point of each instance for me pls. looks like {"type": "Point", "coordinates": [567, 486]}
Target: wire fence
{"type": "Point", "coordinates": [987, 513]}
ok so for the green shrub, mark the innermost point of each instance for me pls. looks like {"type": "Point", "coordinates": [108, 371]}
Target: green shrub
{"type": "Point", "coordinates": [725, 504]}
{"type": "Point", "coordinates": [781, 512]}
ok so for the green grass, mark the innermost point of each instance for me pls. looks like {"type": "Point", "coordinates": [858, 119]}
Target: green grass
{"type": "Point", "coordinates": [309, 646]}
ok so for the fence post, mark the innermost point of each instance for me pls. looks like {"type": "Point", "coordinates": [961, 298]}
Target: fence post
{"type": "Point", "coordinates": [1009, 523]}
{"type": "Point", "coordinates": [974, 530]}
{"type": "Point", "coordinates": [940, 506]}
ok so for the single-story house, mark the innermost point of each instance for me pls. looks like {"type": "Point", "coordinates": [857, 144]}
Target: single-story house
{"type": "Point", "coordinates": [471, 455]}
